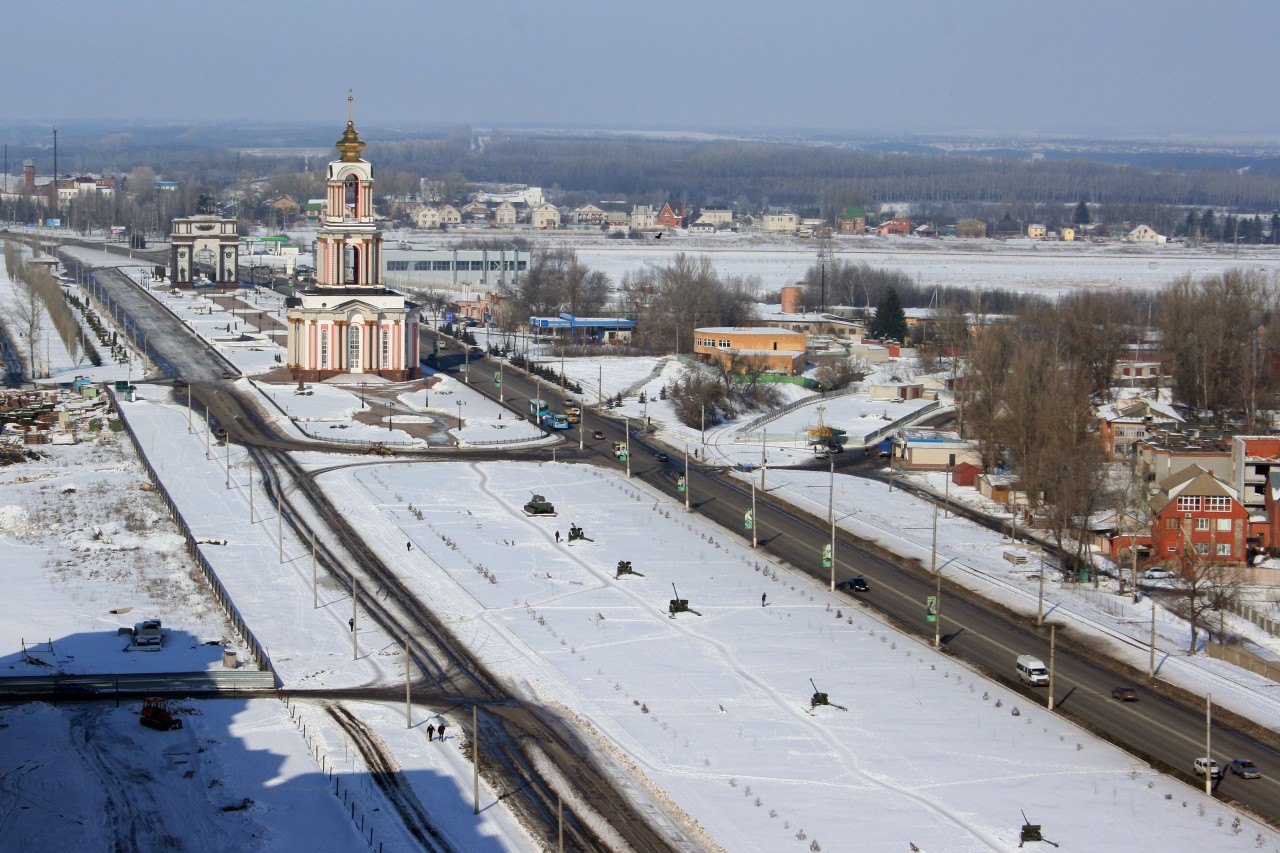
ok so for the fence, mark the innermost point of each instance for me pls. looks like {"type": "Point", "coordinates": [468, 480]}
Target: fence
{"type": "Point", "coordinates": [1244, 659]}
{"type": "Point", "coordinates": [791, 407]}
{"type": "Point", "coordinates": [1252, 616]}
{"type": "Point", "coordinates": [134, 682]}
{"type": "Point", "coordinates": [255, 648]}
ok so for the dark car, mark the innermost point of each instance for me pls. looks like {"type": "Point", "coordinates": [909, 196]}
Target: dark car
{"type": "Point", "coordinates": [853, 585]}
{"type": "Point", "coordinates": [1244, 768]}
{"type": "Point", "coordinates": [1124, 694]}
{"type": "Point", "coordinates": [597, 434]}
{"type": "Point", "coordinates": [180, 383]}
{"type": "Point", "coordinates": [662, 457]}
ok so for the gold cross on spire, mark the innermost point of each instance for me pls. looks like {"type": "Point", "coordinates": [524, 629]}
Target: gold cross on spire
{"type": "Point", "coordinates": [350, 99]}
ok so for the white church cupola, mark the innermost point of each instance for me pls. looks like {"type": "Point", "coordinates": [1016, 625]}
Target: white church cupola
{"type": "Point", "coordinates": [349, 245]}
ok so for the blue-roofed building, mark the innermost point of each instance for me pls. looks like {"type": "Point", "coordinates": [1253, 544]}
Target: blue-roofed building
{"type": "Point", "coordinates": [610, 330]}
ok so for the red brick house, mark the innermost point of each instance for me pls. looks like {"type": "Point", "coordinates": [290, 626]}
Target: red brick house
{"type": "Point", "coordinates": [852, 220]}
{"type": "Point", "coordinates": [1195, 510]}
{"type": "Point", "coordinates": [894, 228]}
{"type": "Point", "coordinates": [671, 216]}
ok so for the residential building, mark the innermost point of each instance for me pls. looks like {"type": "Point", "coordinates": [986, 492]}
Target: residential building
{"type": "Point", "coordinates": [643, 218]}
{"type": "Point", "coordinates": [1254, 459]}
{"type": "Point", "coordinates": [449, 215]}
{"type": "Point", "coordinates": [1165, 452]}
{"type": "Point", "coordinates": [1195, 515]}
{"type": "Point", "coordinates": [427, 217]}
{"type": "Point", "coordinates": [1125, 422]}
{"type": "Point", "coordinates": [1036, 231]}
{"type": "Point", "coordinates": [721, 217]}
{"type": "Point", "coordinates": [545, 217]}
{"type": "Point", "coordinates": [1144, 234]}
{"type": "Point", "coordinates": [971, 229]}
{"type": "Point", "coordinates": [589, 214]}
{"type": "Point", "coordinates": [504, 215]}
{"type": "Point", "coordinates": [779, 220]}
{"type": "Point", "coordinates": [851, 220]}
{"type": "Point", "coordinates": [895, 227]}
{"type": "Point", "coordinates": [671, 215]}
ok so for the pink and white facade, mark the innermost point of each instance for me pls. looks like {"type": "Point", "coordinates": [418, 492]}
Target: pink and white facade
{"type": "Point", "coordinates": [348, 322]}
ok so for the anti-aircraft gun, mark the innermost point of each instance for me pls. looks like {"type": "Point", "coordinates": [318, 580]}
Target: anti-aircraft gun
{"type": "Point", "coordinates": [540, 506]}
{"type": "Point", "coordinates": [820, 698]}
{"type": "Point", "coordinates": [624, 568]}
{"type": "Point", "coordinates": [679, 605]}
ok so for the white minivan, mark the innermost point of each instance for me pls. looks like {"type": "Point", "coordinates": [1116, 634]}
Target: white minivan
{"type": "Point", "coordinates": [1032, 671]}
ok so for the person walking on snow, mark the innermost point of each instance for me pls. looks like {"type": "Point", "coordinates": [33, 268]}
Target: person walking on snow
{"type": "Point", "coordinates": [441, 730]}
{"type": "Point", "coordinates": [431, 732]}
{"type": "Point", "coordinates": [764, 596]}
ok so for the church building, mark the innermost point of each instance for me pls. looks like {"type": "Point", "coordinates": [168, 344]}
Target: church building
{"type": "Point", "coordinates": [348, 322]}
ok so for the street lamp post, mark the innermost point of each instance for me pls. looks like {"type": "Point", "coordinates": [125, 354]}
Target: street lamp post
{"type": "Point", "coordinates": [391, 412]}
{"type": "Point", "coordinates": [627, 445]}
{"type": "Point", "coordinates": [686, 476]}
{"type": "Point", "coordinates": [755, 522]}
{"type": "Point", "coordinates": [831, 519]}
{"type": "Point", "coordinates": [703, 407]}
{"type": "Point", "coordinates": [937, 582]}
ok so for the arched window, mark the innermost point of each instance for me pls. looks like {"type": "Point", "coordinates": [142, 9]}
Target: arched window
{"type": "Point", "coordinates": [351, 265]}
{"type": "Point", "coordinates": [352, 194]}
{"type": "Point", "coordinates": [353, 346]}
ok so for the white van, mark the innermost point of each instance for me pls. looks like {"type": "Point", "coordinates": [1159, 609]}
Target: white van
{"type": "Point", "coordinates": [1032, 671]}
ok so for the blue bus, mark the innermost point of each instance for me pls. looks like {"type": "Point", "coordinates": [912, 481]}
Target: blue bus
{"type": "Point", "coordinates": [555, 420]}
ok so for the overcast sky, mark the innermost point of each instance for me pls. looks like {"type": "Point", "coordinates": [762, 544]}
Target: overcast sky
{"type": "Point", "coordinates": [1093, 67]}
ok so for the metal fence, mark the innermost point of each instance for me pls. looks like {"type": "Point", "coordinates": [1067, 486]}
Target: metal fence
{"type": "Point", "coordinates": [255, 648]}
{"type": "Point", "coordinates": [218, 681]}
{"type": "Point", "coordinates": [791, 407]}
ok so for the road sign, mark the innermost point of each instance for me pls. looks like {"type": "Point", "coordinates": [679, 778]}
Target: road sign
{"type": "Point", "coordinates": [931, 609]}
{"type": "Point", "coordinates": [497, 378]}
{"type": "Point", "coordinates": [747, 519]}
{"type": "Point", "coordinates": [826, 556]}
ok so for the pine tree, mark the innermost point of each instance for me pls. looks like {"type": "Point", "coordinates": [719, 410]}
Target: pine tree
{"type": "Point", "coordinates": [1081, 216]}
{"type": "Point", "coordinates": [890, 321]}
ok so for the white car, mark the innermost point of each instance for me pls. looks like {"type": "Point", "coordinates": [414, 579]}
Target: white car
{"type": "Point", "coordinates": [1203, 764]}
{"type": "Point", "coordinates": [1157, 574]}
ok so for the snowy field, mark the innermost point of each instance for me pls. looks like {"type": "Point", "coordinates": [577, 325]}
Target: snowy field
{"type": "Point", "coordinates": [713, 709]}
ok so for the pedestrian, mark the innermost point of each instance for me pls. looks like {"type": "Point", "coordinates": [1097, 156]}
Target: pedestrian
{"type": "Point", "coordinates": [431, 732]}
{"type": "Point", "coordinates": [557, 535]}
{"type": "Point", "coordinates": [441, 731]}
{"type": "Point", "coordinates": [351, 623]}
{"type": "Point", "coordinates": [764, 596]}
{"type": "Point", "coordinates": [408, 546]}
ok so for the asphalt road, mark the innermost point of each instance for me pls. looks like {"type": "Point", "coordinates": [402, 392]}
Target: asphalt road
{"type": "Point", "coordinates": [1162, 727]}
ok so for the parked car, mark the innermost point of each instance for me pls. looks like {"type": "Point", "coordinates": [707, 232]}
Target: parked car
{"type": "Point", "coordinates": [1124, 694]}
{"type": "Point", "coordinates": [1215, 772]}
{"type": "Point", "coordinates": [597, 434]}
{"type": "Point", "coordinates": [1157, 574]}
{"type": "Point", "coordinates": [854, 585]}
{"type": "Point", "coordinates": [1244, 768]}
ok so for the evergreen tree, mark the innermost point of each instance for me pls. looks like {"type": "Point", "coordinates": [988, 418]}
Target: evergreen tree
{"type": "Point", "coordinates": [1209, 225]}
{"type": "Point", "coordinates": [1081, 216]}
{"type": "Point", "coordinates": [1275, 227]}
{"type": "Point", "coordinates": [890, 321]}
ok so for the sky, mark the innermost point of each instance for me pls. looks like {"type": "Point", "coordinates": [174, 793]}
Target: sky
{"type": "Point", "coordinates": [1092, 67]}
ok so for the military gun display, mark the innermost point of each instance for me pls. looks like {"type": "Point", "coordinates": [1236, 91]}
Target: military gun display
{"type": "Point", "coordinates": [679, 605]}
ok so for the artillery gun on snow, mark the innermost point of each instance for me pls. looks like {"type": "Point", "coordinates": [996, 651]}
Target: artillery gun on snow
{"type": "Point", "coordinates": [679, 605]}
{"type": "Point", "coordinates": [575, 533]}
{"type": "Point", "coordinates": [1031, 832]}
{"type": "Point", "coordinates": [540, 506]}
{"type": "Point", "coordinates": [624, 568]}
{"type": "Point", "coordinates": [820, 698]}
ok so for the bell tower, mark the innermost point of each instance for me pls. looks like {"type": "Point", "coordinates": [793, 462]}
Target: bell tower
{"type": "Point", "coordinates": [349, 245]}
{"type": "Point", "coordinates": [348, 326]}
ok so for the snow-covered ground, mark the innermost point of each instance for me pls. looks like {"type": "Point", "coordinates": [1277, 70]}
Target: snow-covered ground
{"type": "Point", "coordinates": [711, 710]}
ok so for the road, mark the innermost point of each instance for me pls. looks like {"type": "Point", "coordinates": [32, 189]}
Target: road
{"type": "Point", "coordinates": [1165, 727]}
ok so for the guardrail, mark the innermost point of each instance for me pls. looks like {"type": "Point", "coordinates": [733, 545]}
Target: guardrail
{"type": "Point", "coordinates": [255, 648]}
{"type": "Point", "coordinates": [874, 437]}
{"type": "Point", "coordinates": [140, 682]}
{"type": "Point", "coordinates": [791, 407]}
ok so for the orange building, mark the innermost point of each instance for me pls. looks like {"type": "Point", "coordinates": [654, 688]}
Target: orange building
{"type": "Point", "coordinates": [739, 349]}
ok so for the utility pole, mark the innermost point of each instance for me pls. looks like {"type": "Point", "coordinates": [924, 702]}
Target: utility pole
{"type": "Point", "coordinates": [475, 759]}
{"type": "Point", "coordinates": [686, 476]}
{"type": "Point", "coordinates": [1208, 724]}
{"type": "Point", "coordinates": [937, 582]}
{"type": "Point", "coordinates": [1053, 636]}
{"type": "Point", "coordinates": [408, 666]}
{"type": "Point", "coordinates": [314, 577]}
{"type": "Point", "coordinates": [355, 615]}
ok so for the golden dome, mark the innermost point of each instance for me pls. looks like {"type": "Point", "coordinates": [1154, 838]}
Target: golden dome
{"type": "Point", "coordinates": [350, 145]}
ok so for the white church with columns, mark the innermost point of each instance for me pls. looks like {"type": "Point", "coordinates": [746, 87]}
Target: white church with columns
{"type": "Point", "coordinates": [348, 322]}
